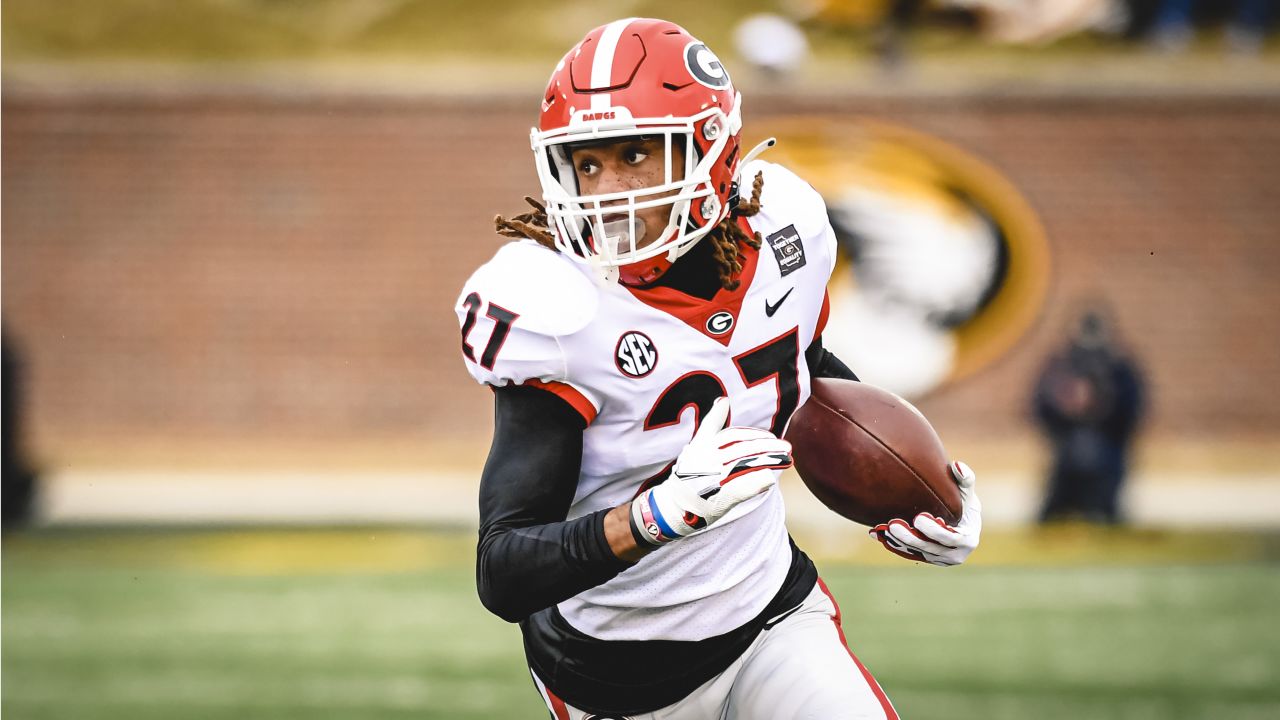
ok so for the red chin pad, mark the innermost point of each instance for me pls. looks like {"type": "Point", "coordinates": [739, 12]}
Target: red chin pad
{"type": "Point", "coordinates": [645, 272]}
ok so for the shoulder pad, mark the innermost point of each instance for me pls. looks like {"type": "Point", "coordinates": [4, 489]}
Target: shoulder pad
{"type": "Point", "coordinates": [550, 294]}
{"type": "Point", "coordinates": [787, 201]}
{"type": "Point", "coordinates": [786, 194]}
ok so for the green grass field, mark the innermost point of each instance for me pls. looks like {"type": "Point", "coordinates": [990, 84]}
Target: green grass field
{"type": "Point", "coordinates": [384, 623]}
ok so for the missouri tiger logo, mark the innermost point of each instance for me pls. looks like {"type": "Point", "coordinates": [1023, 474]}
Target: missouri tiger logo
{"type": "Point", "coordinates": [942, 264]}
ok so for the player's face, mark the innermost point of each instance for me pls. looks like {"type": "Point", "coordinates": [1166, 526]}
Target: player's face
{"type": "Point", "coordinates": [630, 164]}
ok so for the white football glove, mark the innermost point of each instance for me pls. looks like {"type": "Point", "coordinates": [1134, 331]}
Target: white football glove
{"type": "Point", "coordinates": [931, 540]}
{"type": "Point", "coordinates": [719, 468]}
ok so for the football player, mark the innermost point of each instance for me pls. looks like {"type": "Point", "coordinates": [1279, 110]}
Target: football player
{"type": "Point", "coordinates": [647, 339]}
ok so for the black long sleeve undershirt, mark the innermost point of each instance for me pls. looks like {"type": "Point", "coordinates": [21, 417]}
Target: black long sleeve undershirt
{"type": "Point", "coordinates": [529, 557]}
{"type": "Point", "coordinates": [822, 364]}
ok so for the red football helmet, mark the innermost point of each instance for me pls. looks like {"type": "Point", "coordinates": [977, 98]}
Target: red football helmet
{"type": "Point", "coordinates": [647, 78]}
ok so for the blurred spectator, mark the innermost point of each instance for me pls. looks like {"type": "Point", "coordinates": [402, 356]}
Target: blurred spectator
{"type": "Point", "coordinates": [1040, 22]}
{"type": "Point", "coordinates": [1088, 401]}
{"type": "Point", "coordinates": [19, 477]}
{"type": "Point", "coordinates": [889, 22]}
{"type": "Point", "coordinates": [890, 37]}
{"type": "Point", "coordinates": [1246, 27]}
{"type": "Point", "coordinates": [772, 44]}
{"type": "Point", "coordinates": [1017, 22]}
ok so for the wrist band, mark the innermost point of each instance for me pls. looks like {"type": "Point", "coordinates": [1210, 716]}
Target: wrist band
{"type": "Point", "coordinates": [643, 522]}
{"type": "Point", "coordinates": [636, 533]}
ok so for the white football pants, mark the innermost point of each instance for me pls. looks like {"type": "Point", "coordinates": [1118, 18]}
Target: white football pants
{"type": "Point", "coordinates": [799, 669]}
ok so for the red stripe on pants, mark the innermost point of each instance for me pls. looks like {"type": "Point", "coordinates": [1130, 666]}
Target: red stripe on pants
{"type": "Point", "coordinates": [889, 712]}
{"type": "Point", "coordinates": [557, 705]}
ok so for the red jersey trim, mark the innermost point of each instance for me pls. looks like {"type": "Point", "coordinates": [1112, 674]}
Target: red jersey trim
{"type": "Point", "coordinates": [569, 394]}
{"type": "Point", "coordinates": [696, 312]}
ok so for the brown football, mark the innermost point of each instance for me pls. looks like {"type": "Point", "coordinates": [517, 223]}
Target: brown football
{"type": "Point", "coordinates": [870, 455]}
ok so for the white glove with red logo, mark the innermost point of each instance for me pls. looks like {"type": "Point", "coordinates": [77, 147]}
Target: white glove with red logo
{"type": "Point", "coordinates": [929, 539]}
{"type": "Point", "coordinates": [719, 468]}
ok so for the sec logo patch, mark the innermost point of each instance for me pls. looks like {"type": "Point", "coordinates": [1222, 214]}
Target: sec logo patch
{"type": "Point", "coordinates": [635, 355]}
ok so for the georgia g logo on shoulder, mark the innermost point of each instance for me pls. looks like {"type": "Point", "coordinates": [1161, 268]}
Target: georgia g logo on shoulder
{"type": "Point", "coordinates": [704, 66]}
{"type": "Point", "coordinates": [635, 355]}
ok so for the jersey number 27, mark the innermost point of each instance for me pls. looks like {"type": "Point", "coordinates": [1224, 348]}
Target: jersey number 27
{"type": "Point", "coordinates": [502, 319]}
{"type": "Point", "coordinates": [776, 360]}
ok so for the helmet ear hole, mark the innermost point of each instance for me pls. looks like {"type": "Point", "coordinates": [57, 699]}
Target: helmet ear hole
{"type": "Point", "coordinates": [710, 207]}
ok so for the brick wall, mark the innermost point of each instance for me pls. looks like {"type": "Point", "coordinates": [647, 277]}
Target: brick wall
{"type": "Point", "coordinates": [195, 268]}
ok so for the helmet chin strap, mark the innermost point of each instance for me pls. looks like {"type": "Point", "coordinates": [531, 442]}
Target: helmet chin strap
{"type": "Point", "coordinates": [676, 252]}
{"type": "Point", "coordinates": [601, 273]}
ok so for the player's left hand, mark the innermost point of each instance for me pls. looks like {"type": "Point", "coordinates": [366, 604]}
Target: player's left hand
{"type": "Point", "coordinates": [930, 539]}
{"type": "Point", "coordinates": [720, 468]}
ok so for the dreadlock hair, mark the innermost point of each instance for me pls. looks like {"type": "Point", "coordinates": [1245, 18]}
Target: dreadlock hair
{"type": "Point", "coordinates": [725, 237]}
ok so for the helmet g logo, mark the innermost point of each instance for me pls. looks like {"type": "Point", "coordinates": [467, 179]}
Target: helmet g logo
{"type": "Point", "coordinates": [704, 66]}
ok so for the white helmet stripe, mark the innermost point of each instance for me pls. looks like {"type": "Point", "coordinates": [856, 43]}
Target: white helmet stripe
{"type": "Point", "coordinates": [602, 62]}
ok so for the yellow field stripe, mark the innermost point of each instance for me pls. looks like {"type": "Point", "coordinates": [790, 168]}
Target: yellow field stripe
{"type": "Point", "coordinates": [319, 551]}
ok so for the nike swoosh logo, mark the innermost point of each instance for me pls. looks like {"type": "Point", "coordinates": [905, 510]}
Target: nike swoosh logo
{"type": "Point", "coordinates": [770, 623]}
{"type": "Point", "coordinates": [770, 309]}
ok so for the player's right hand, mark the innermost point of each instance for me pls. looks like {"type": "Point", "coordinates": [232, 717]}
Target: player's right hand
{"type": "Point", "coordinates": [930, 539]}
{"type": "Point", "coordinates": [719, 468]}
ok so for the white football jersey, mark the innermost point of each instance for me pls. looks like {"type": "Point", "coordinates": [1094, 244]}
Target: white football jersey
{"type": "Point", "coordinates": [642, 366]}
